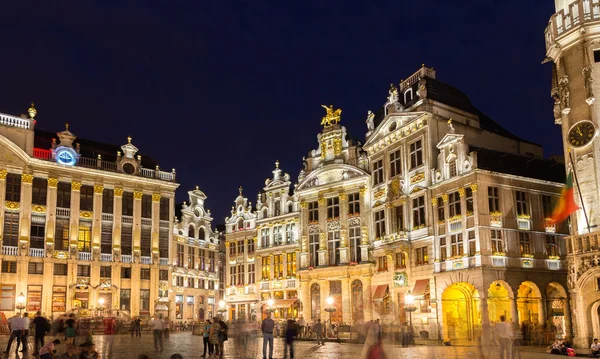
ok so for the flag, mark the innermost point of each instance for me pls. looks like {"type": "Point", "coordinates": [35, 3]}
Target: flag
{"type": "Point", "coordinates": [566, 204]}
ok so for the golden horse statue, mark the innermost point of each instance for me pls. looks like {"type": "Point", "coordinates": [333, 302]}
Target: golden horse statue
{"type": "Point", "coordinates": [331, 117]}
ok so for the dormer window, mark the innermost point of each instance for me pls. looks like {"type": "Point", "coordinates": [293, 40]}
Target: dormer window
{"type": "Point", "coordinates": [452, 168]}
{"type": "Point", "coordinates": [277, 208]}
{"type": "Point", "coordinates": [202, 234]}
{"type": "Point", "coordinates": [264, 213]}
{"type": "Point", "coordinates": [191, 232]}
{"type": "Point", "coordinates": [240, 224]}
{"type": "Point", "coordinates": [290, 208]}
{"type": "Point", "coordinates": [408, 95]}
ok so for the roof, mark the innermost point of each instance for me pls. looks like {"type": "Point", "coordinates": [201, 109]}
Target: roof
{"type": "Point", "coordinates": [88, 148]}
{"type": "Point", "coordinates": [519, 165]}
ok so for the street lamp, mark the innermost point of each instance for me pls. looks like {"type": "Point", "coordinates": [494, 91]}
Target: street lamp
{"type": "Point", "coordinates": [270, 304]}
{"type": "Point", "coordinates": [330, 309]}
{"type": "Point", "coordinates": [222, 308]}
{"type": "Point", "coordinates": [410, 307]}
{"type": "Point", "coordinates": [100, 306]}
{"type": "Point", "coordinates": [20, 302]}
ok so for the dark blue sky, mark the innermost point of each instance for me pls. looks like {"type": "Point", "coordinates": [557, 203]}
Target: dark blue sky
{"type": "Point", "coordinates": [219, 90]}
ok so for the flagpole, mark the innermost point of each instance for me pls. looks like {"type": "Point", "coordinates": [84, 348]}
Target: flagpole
{"type": "Point", "coordinates": [579, 191]}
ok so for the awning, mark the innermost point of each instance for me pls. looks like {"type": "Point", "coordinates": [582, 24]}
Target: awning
{"type": "Point", "coordinates": [380, 292]}
{"type": "Point", "coordinates": [279, 303]}
{"type": "Point", "coordinates": [421, 287]}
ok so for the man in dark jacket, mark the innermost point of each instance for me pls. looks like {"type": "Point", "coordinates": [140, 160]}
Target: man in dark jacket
{"type": "Point", "coordinates": [41, 327]}
{"type": "Point", "coordinates": [291, 332]}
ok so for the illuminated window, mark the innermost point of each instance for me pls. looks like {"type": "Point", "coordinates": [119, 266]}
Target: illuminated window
{"type": "Point", "coordinates": [84, 239]}
{"type": "Point", "coordinates": [422, 256]}
{"type": "Point", "coordinates": [456, 244]}
{"type": "Point", "coordinates": [416, 154]}
{"type": "Point", "coordinates": [277, 266]}
{"type": "Point", "coordinates": [291, 264]}
{"type": "Point", "coordinates": [395, 164]}
{"type": "Point", "coordinates": [552, 245]}
{"type": "Point", "coordinates": [333, 208]}
{"type": "Point", "coordinates": [377, 172]}
{"type": "Point", "coordinates": [525, 243]}
{"type": "Point", "coordinates": [266, 268]}
{"type": "Point", "coordinates": [497, 242]}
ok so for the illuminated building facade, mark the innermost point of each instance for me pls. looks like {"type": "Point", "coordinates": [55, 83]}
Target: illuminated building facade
{"type": "Point", "coordinates": [86, 226]}
{"type": "Point", "coordinates": [573, 48]}
{"type": "Point", "coordinates": [196, 264]}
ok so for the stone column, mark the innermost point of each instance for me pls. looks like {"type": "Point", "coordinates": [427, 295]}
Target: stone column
{"type": "Point", "coordinates": [51, 216]}
{"type": "Point", "coordinates": [117, 223]}
{"type": "Point", "coordinates": [137, 226]}
{"type": "Point", "coordinates": [74, 225]}
{"type": "Point", "coordinates": [514, 313]}
{"type": "Point", "coordinates": [135, 288]}
{"type": "Point", "coordinates": [115, 279]}
{"type": "Point", "coordinates": [97, 222]}
{"type": "Point", "coordinates": [71, 281]}
{"type": "Point", "coordinates": [322, 252]}
{"type": "Point", "coordinates": [94, 284]}
{"type": "Point", "coordinates": [344, 247]}
{"type": "Point", "coordinates": [365, 219]}
{"type": "Point", "coordinates": [3, 174]}
{"type": "Point", "coordinates": [25, 215]}
{"type": "Point", "coordinates": [155, 228]}
{"type": "Point", "coordinates": [305, 299]}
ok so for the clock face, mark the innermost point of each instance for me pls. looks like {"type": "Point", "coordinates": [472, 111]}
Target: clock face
{"type": "Point", "coordinates": [581, 134]}
{"type": "Point", "coordinates": [66, 156]}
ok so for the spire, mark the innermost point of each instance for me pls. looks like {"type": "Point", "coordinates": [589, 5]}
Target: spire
{"type": "Point", "coordinates": [129, 139]}
{"type": "Point", "coordinates": [277, 164]}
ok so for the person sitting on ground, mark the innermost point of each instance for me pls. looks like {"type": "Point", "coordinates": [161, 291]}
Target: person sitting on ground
{"type": "Point", "coordinates": [72, 353]}
{"type": "Point", "coordinates": [556, 347]}
{"type": "Point", "coordinates": [48, 351]}
{"type": "Point", "coordinates": [595, 349]}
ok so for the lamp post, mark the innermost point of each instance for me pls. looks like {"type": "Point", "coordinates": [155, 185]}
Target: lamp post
{"type": "Point", "coordinates": [222, 308]}
{"type": "Point", "coordinates": [20, 302]}
{"type": "Point", "coordinates": [329, 309]}
{"type": "Point", "coordinates": [270, 305]}
{"type": "Point", "coordinates": [410, 307]}
{"type": "Point", "coordinates": [100, 306]}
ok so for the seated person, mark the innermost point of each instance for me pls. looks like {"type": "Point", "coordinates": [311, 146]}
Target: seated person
{"type": "Point", "coordinates": [595, 349]}
{"type": "Point", "coordinates": [556, 347]}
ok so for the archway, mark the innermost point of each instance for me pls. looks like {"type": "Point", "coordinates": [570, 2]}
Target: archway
{"type": "Point", "coordinates": [499, 301]}
{"type": "Point", "coordinates": [201, 314]}
{"type": "Point", "coordinates": [315, 301]}
{"type": "Point", "coordinates": [461, 315]}
{"type": "Point", "coordinates": [529, 303]}
{"type": "Point", "coordinates": [357, 301]}
{"type": "Point", "coordinates": [556, 306]}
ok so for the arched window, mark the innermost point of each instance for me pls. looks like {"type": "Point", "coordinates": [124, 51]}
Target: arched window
{"type": "Point", "coordinates": [315, 301]}
{"type": "Point", "coordinates": [240, 224]}
{"type": "Point", "coordinates": [265, 213]}
{"type": "Point", "coordinates": [290, 207]}
{"type": "Point", "coordinates": [408, 95]}
{"type": "Point", "coordinates": [357, 301]}
{"type": "Point", "coordinates": [276, 208]}
{"type": "Point", "coordinates": [191, 232]}
{"type": "Point", "coordinates": [202, 234]}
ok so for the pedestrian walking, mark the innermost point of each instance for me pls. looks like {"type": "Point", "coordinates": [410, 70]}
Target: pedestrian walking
{"type": "Point", "coordinates": [318, 329]}
{"type": "Point", "coordinates": [205, 337]}
{"type": "Point", "coordinates": [267, 327]}
{"type": "Point", "coordinates": [16, 326]}
{"type": "Point", "coordinates": [157, 331]}
{"type": "Point", "coordinates": [41, 326]}
{"type": "Point", "coordinates": [291, 332]}
{"type": "Point", "coordinates": [25, 334]}
{"type": "Point", "coordinates": [503, 331]}
{"type": "Point", "coordinates": [223, 335]}
{"type": "Point", "coordinates": [213, 337]}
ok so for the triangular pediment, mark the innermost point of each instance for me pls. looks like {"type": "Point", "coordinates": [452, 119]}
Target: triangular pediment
{"type": "Point", "coordinates": [449, 139]}
{"type": "Point", "coordinates": [327, 175]}
{"type": "Point", "coordinates": [396, 122]}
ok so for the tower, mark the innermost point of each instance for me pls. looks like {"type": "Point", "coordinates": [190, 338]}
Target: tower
{"type": "Point", "coordinates": [573, 47]}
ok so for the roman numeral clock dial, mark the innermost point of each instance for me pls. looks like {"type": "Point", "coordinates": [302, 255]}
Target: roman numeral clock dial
{"type": "Point", "coordinates": [582, 133]}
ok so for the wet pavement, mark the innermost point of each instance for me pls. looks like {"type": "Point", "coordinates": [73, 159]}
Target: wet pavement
{"type": "Point", "coordinates": [191, 346]}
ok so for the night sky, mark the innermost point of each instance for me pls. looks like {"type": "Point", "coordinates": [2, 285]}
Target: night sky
{"type": "Point", "coordinates": [219, 90]}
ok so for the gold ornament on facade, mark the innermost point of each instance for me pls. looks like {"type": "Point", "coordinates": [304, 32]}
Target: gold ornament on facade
{"type": "Point", "coordinates": [445, 197]}
{"type": "Point", "coordinates": [3, 174]}
{"type": "Point", "coordinates": [86, 214]}
{"type": "Point", "coordinates": [461, 192]}
{"type": "Point", "coordinates": [303, 204]}
{"type": "Point", "coordinates": [395, 187]}
{"type": "Point", "coordinates": [362, 191]}
{"type": "Point", "coordinates": [323, 149]}
{"type": "Point", "coordinates": [364, 235]}
{"type": "Point", "coordinates": [473, 187]}
{"type": "Point", "coordinates": [118, 192]}
{"type": "Point", "coordinates": [337, 146]}
{"type": "Point", "coordinates": [38, 209]}
{"type": "Point", "coordinates": [138, 194]}
{"type": "Point", "coordinates": [378, 194]}
{"type": "Point", "coordinates": [332, 117]}
{"type": "Point", "coordinates": [26, 178]}
{"type": "Point", "coordinates": [52, 182]}
{"type": "Point", "coordinates": [12, 206]}
{"type": "Point", "coordinates": [434, 202]}
{"type": "Point", "coordinates": [155, 197]}
{"type": "Point", "coordinates": [98, 189]}
{"type": "Point", "coordinates": [322, 239]}
{"type": "Point", "coordinates": [321, 201]}
{"type": "Point", "coordinates": [75, 186]}
{"type": "Point", "coordinates": [32, 111]}
{"type": "Point", "coordinates": [343, 196]}
{"type": "Point", "coordinates": [417, 178]}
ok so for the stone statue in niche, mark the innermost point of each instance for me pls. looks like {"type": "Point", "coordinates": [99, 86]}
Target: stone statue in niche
{"type": "Point", "coordinates": [49, 250]}
{"type": "Point", "coordinates": [398, 107]}
{"type": "Point", "coordinates": [116, 255]}
{"type": "Point", "coordinates": [136, 256]}
{"type": "Point", "coordinates": [422, 89]}
{"type": "Point", "coordinates": [565, 95]}
{"type": "Point", "coordinates": [363, 161]}
{"type": "Point", "coordinates": [587, 74]}
{"type": "Point", "coordinates": [556, 107]}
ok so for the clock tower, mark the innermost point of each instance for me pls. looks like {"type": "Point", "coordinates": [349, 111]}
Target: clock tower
{"type": "Point", "coordinates": [573, 47]}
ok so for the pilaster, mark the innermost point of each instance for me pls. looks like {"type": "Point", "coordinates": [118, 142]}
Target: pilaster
{"type": "Point", "coordinates": [97, 221]}
{"type": "Point", "coordinates": [346, 301]}
{"type": "Point", "coordinates": [25, 215]}
{"type": "Point", "coordinates": [115, 279]}
{"type": "Point", "coordinates": [47, 287]}
{"type": "Point", "coordinates": [155, 233]}
{"type": "Point", "coordinates": [51, 215]}
{"type": "Point", "coordinates": [74, 225]}
{"type": "Point", "coordinates": [3, 174]}
{"type": "Point", "coordinates": [135, 289]}
{"type": "Point", "coordinates": [94, 282]}
{"type": "Point", "coordinates": [117, 223]}
{"type": "Point", "coordinates": [137, 225]}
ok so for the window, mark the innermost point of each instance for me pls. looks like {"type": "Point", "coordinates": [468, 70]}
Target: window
{"type": "Point", "coordinates": [84, 239]}
{"type": "Point", "coordinates": [290, 229]}
{"type": "Point", "coordinates": [266, 268]}
{"type": "Point", "coordinates": [552, 246]}
{"type": "Point", "coordinates": [382, 265]}
{"type": "Point", "coordinates": [469, 200]}
{"type": "Point", "coordinates": [454, 204]}
{"type": "Point", "coordinates": [60, 269]}
{"type": "Point", "coordinates": [164, 209]}
{"type": "Point", "coordinates": [395, 165]}
{"type": "Point", "coordinates": [125, 299]}
{"type": "Point", "coordinates": [264, 238]}
{"type": "Point", "coordinates": [416, 154]}
{"type": "Point", "coordinates": [313, 212]}
{"type": "Point", "coordinates": [377, 172]}
{"type": "Point", "coordinates": [277, 266]}
{"type": "Point", "coordinates": [179, 282]}
{"type": "Point", "coordinates": [355, 238]}
{"type": "Point", "coordinates": [333, 244]}
{"type": "Point", "coordinates": [192, 257]}
{"type": "Point", "coordinates": [353, 204]}
{"type": "Point", "coordinates": [126, 239]}
{"type": "Point", "coordinates": [333, 208]}
{"type": "Point", "coordinates": [522, 207]}
{"type": "Point", "coordinates": [106, 271]}
{"type": "Point", "coordinates": [125, 272]}
{"type": "Point", "coordinates": [63, 195]}
{"type": "Point", "coordinates": [440, 210]}
{"type": "Point", "coordinates": [240, 274]}
{"type": "Point", "coordinates": [61, 234]}
{"type": "Point", "coordinates": [202, 234]}
{"type": "Point", "coordinates": [86, 198]}
{"type": "Point", "coordinates": [313, 245]}
{"type": "Point", "coordinates": [83, 271]}
{"type": "Point", "coordinates": [443, 249]}
{"type": "Point", "coordinates": [38, 230]}
{"type": "Point", "coordinates": [472, 243]}
{"type": "Point", "coordinates": [525, 243]}
{"type": "Point", "coordinates": [39, 191]}
{"type": "Point", "coordinates": [277, 235]}
{"type": "Point", "coordinates": [452, 168]}
{"type": "Point", "coordinates": [59, 299]}
{"type": "Point", "coordinates": [180, 255]}
{"type": "Point", "coordinates": [399, 214]}
{"type": "Point", "coordinates": [145, 273]}
{"type": "Point", "coordinates": [251, 274]}
{"type": "Point", "coordinates": [108, 200]}
{"type": "Point", "coordinates": [379, 223]}
{"type": "Point", "coordinates": [399, 260]}
{"type": "Point", "coordinates": [11, 229]}
{"type": "Point", "coordinates": [250, 246]}
{"type": "Point", "coordinates": [422, 256]}
{"type": "Point", "coordinates": [9, 267]}
{"type": "Point", "coordinates": [163, 274]}
{"type": "Point", "coordinates": [547, 206]}
{"type": "Point", "coordinates": [13, 188]}
{"type": "Point", "coordinates": [418, 212]}
{"type": "Point", "coordinates": [493, 199]}
{"type": "Point", "coordinates": [211, 261]}
{"type": "Point", "coordinates": [145, 299]}
{"type": "Point", "coordinates": [291, 264]}
{"type": "Point", "coordinates": [596, 55]}
{"type": "Point", "coordinates": [276, 208]}
{"type": "Point", "coordinates": [106, 237]}
{"type": "Point", "coordinates": [127, 207]}
{"type": "Point", "coordinates": [36, 268]}
{"type": "Point", "coordinates": [146, 206]}
{"type": "Point", "coordinates": [497, 241]}
{"type": "Point", "coordinates": [425, 303]}
{"type": "Point", "coordinates": [145, 241]}
{"type": "Point", "coordinates": [163, 242]}
{"type": "Point", "coordinates": [240, 247]}
{"type": "Point", "coordinates": [7, 297]}
{"type": "Point", "coordinates": [456, 245]}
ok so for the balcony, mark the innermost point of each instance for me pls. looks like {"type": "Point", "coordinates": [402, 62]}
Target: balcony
{"type": "Point", "coordinates": [84, 256]}
{"type": "Point", "coordinates": [291, 283]}
{"type": "Point", "coordinates": [146, 260]}
{"type": "Point", "coordinates": [37, 252]}
{"type": "Point", "coordinates": [264, 285]}
{"type": "Point", "coordinates": [106, 257]}
{"type": "Point", "coordinates": [576, 14]}
{"type": "Point", "coordinates": [125, 258]}
{"type": "Point", "coordinates": [13, 121]}
{"type": "Point", "coordinates": [108, 217]}
{"type": "Point", "coordinates": [63, 212]}
{"type": "Point", "coordinates": [10, 251]}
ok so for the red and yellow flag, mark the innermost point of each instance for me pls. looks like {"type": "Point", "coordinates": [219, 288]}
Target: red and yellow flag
{"type": "Point", "coordinates": [566, 204]}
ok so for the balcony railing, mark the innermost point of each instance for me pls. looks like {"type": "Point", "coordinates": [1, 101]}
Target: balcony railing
{"type": "Point", "coordinates": [10, 251]}
{"type": "Point", "coordinates": [163, 261]}
{"type": "Point", "coordinates": [107, 217]}
{"type": "Point", "coordinates": [146, 260]}
{"type": "Point", "coordinates": [125, 258]}
{"type": "Point", "coordinates": [63, 212]}
{"type": "Point", "coordinates": [12, 121]}
{"type": "Point", "coordinates": [36, 252]}
{"type": "Point", "coordinates": [84, 256]}
{"type": "Point", "coordinates": [291, 283]}
{"type": "Point", "coordinates": [576, 14]}
{"type": "Point", "coordinates": [264, 286]}
{"type": "Point", "coordinates": [106, 257]}
{"type": "Point", "coordinates": [42, 154]}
